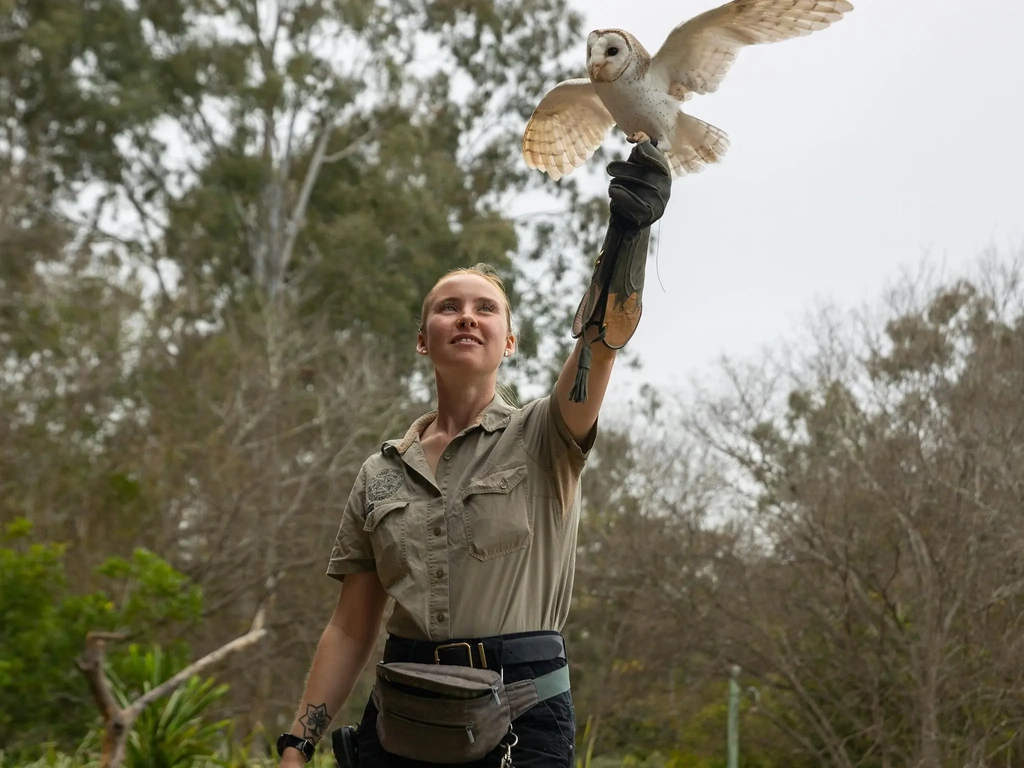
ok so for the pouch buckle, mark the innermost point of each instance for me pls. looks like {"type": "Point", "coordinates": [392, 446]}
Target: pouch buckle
{"type": "Point", "coordinates": [469, 653]}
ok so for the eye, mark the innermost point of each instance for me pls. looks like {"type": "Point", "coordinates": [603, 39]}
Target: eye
{"type": "Point", "coordinates": [448, 306]}
{"type": "Point", "coordinates": [488, 307]}
{"type": "Point", "coordinates": [612, 51]}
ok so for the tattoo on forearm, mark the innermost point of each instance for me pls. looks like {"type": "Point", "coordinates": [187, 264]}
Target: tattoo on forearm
{"type": "Point", "coordinates": [315, 721]}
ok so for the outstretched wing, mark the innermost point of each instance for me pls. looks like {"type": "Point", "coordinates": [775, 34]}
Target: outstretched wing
{"type": "Point", "coordinates": [566, 128]}
{"type": "Point", "coordinates": [698, 53]}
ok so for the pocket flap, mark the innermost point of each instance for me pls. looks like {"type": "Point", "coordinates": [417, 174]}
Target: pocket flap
{"type": "Point", "coordinates": [443, 679]}
{"type": "Point", "coordinates": [499, 481]}
{"type": "Point", "coordinates": [379, 510]}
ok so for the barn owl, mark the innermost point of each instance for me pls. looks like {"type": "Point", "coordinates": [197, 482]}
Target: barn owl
{"type": "Point", "coordinates": [641, 94]}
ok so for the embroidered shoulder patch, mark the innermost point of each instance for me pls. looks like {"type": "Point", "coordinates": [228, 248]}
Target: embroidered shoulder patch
{"type": "Point", "coordinates": [383, 485]}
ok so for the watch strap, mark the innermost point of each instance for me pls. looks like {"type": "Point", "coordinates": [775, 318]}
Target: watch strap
{"type": "Point", "coordinates": [305, 746]}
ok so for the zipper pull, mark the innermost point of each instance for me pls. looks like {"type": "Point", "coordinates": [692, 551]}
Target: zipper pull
{"type": "Point", "coordinates": [469, 732]}
{"type": "Point", "coordinates": [494, 692]}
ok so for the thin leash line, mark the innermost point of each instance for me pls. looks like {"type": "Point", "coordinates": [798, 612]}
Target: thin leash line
{"type": "Point", "coordinates": [657, 259]}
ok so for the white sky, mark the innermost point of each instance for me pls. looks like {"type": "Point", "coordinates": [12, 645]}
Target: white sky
{"type": "Point", "coordinates": [891, 137]}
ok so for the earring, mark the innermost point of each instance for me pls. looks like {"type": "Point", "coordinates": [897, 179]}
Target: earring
{"type": "Point", "coordinates": [506, 353]}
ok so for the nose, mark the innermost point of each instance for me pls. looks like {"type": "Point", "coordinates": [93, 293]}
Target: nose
{"type": "Point", "coordinates": [467, 320]}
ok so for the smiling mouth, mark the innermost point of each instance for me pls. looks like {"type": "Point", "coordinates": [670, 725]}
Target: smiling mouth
{"type": "Point", "coordinates": [466, 340]}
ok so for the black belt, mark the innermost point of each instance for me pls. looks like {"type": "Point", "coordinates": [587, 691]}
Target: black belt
{"type": "Point", "coordinates": [483, 652]}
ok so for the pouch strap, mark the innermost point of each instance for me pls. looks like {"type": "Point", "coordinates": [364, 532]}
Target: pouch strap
{"type": "Point", "coordinates": [552, 684]}
{"type": "Point", "coordinates": [524, 694]}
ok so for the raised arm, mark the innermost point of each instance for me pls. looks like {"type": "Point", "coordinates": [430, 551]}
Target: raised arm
{"type": "Point", "coordinates": [580, 418]}
{"type": "Point", "coordinates": [610, 309]}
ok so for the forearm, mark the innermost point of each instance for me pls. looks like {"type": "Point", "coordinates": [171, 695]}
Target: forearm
{"type": "Point", "coordinates": [580, 417]}
{"type": "Point", "coordinates": [337, 664]}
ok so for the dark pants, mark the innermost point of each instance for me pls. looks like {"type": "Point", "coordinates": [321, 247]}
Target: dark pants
{"type": "Point", "coordinates": [546, 732]}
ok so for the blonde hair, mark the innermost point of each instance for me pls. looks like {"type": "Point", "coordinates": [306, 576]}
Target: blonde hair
{"type": "Point", "coordinates": [487, 272]}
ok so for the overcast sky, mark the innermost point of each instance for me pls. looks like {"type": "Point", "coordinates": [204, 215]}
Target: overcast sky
{"type": "Point", "coordinates": [891, 137]}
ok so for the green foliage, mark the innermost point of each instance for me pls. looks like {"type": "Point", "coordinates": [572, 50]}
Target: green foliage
{"type": "Point", "coordinates": [43, 623]}
{"type": "Point", "coordinates": [51, 757]}
{"type": "Point", "coordinates": [153, 591]}
{"type": "Point", "coordinates": [173, 732]}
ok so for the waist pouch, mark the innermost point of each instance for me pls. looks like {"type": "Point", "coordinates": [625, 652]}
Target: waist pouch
{"type": "Point", "coordinates": [442, 713]}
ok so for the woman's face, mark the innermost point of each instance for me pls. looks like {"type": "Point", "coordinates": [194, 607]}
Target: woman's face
{"type": "Point", "coordinates": [465, 327]}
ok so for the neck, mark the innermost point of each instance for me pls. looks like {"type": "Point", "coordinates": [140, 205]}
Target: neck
{"type": "Point", "coordinates": [458, 406]}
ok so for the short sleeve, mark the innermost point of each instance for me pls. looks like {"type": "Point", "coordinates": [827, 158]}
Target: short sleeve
{"type": "Point", "coordinates": [546, 435]}
{"type": "Point", "coordinates": [352, 551]}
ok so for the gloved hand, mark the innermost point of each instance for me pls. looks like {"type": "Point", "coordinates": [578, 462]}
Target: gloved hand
{"type": "Point", "coordinates": [641, 186]}
{"type": "Point", "coordinates": [639, 190]}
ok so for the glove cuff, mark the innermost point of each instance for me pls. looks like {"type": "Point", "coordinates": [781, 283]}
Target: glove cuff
{"type": "Point", "coordinates": [613, 302]}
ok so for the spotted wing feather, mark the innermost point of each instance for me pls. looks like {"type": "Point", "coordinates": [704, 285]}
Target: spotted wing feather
{"type": "Point", "coordinates": [566, 128]}
{"type": "Point", "coordinates": [698, 53]}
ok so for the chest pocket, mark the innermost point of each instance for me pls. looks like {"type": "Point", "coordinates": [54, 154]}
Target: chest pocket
{"type": "Point", "coordinates": [386, 522]}
{"type": "Point", "coordinates": [496, 512]}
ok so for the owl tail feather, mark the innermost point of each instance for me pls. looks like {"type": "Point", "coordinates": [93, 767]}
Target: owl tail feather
{"type": "Point", "coordinates": [695, 145]}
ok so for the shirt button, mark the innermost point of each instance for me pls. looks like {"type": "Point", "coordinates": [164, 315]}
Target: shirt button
{"type": "Point", "coordinates": [437, 531]}
{"type": "Point", "coordinates": [440, 617]}
{"type": "Point", "coordinates": [503, 483]}
{"type": "Point", "coordinates": [440, 573]}
{"type": "Point", "coordinates": [447, 455]}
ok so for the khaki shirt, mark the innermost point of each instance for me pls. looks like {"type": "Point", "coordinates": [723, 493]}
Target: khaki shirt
{"type": "Point", "coordinates": [486, 547]}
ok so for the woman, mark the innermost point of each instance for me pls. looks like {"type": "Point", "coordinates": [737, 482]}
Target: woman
{"type": "Point", "coordinates": [469, 521]}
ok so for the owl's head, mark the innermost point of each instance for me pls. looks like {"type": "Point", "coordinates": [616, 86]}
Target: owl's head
{"type": "Point", "coordinates": [611, 53]}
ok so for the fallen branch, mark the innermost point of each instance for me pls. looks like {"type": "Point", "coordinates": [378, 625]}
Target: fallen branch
{"type": "Point", "coordinates": [117, 722]}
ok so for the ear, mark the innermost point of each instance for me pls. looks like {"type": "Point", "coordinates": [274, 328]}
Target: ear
{"type": "Point", "coordinates": [510, 345]}
{"type": "Point", "coordinates": [421, 343]}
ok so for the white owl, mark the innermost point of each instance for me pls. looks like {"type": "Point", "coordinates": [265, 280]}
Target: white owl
{"type": "Point", "coordinates": [641, 94]}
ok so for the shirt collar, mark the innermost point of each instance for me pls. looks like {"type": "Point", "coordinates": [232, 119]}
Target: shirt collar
{"type": "Point", "coordinates": [495, 416]}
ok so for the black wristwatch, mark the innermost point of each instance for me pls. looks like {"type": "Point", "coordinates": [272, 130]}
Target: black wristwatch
{"type": "Point", "coordinates": [305, 746]}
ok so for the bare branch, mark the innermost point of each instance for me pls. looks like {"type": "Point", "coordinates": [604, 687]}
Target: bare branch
{"type": "Point", "coordinates": [119, 722]}
{"type": "Point", "coordinates": [348, 150]}
{"type": "Point", "coordinates": [299, 212]}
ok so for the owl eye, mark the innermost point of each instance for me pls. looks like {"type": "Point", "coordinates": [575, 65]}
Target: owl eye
{"type": "Point", "coordinates": [612, 51]}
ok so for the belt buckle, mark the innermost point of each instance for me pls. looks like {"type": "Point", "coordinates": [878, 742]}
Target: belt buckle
{"type": "Point", "coordinates": [469, 653]}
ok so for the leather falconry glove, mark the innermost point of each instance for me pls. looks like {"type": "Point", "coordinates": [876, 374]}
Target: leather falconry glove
{"type": "Point", "coordinates": [639, 191]}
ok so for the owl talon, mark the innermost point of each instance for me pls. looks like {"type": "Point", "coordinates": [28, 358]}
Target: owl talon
{"type": "Point", "coordinates": [638, 138]}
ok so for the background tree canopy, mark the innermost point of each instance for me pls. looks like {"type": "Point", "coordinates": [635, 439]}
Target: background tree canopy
{"type": "Point", "coordinates": [217, 223]}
